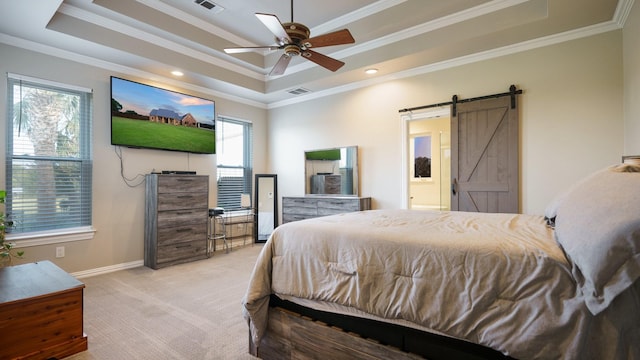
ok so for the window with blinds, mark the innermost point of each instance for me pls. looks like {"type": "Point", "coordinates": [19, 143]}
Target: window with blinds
{"type": "Point", "coordinates": [234, 153]}
{"type": "Point", "coordinates": [49, 160]}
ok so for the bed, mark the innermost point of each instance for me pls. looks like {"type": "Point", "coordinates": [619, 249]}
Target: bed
{"type": "Point", "coordinates": [456, 284]}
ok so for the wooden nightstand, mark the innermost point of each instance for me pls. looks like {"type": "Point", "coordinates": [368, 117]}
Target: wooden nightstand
{"type": "Point", "coordinates": [41, 311]}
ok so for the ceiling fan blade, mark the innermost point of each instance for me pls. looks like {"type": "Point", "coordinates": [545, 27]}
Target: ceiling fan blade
{"type": "Point", "coordinates": [236, 50]}
{"type": "Point", "coordinates": [339, 37]}
{"type": "Point", "coordinates": [323, 60]}
{"type": "Point", "coordinates": [281, 65]}
{"type": "Point", "coordinates": [275, 26]}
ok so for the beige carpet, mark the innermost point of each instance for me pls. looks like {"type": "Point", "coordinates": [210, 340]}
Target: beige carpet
{"type": "Point", "coordinates": [189, 311]}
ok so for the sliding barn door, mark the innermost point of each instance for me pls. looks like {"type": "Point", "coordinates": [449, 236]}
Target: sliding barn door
{"type": "Point", "coordinates": [484, 156]}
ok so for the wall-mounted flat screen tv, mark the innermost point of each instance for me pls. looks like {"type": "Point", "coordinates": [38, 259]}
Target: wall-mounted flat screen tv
{"type": "Point", "coordinates": [145, 116]}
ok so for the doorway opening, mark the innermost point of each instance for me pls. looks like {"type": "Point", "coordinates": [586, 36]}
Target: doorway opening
{"type": "Point", "coordinates": [427, 159]}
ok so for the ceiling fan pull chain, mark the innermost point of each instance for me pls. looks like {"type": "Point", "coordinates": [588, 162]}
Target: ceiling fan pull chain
{"type": "Point", "coordinates": [291, 10]}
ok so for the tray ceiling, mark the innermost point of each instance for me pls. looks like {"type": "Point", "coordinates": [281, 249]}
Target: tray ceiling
{"type": "Point", "coordinates": [150, 38]}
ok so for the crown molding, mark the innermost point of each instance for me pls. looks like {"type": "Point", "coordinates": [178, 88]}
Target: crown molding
{"type": "Point", "coordinates": [622, 12]}
{"type": "Point", "coordinates": [417, 30]}
{"type": "Point", "coordinates": [463, 60]}
{"type": "Point", "coordinates": [117, 68]}
{"type": "Point", "coordinates": [619, 18]}
{"type": "Point", "coordinates": [356, 15]}
{"type": "Point", "coordinates": [245, 69]}
{"type": "Point", "coordinates": [196, 21]}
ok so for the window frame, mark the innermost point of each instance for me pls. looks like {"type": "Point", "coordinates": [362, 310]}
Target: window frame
{"type": "Point", "coordinates": [247, 166]}
{"type": "Point", "coordinates": [85, 230]}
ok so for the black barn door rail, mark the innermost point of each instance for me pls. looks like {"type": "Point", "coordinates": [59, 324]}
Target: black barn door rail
{"type": "Point", "coordinates": [512, 92]}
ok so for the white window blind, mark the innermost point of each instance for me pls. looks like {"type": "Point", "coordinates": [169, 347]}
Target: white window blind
{"type": "Point", "coordinates": [49, 155]}
{"type": "Point", "coordinates": [234, 153]}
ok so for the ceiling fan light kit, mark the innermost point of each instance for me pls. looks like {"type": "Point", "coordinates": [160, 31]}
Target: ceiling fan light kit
{"type": "Point", "coordinates": [297, 31]}
{"type": "Point", "coordinates": [294, 38]}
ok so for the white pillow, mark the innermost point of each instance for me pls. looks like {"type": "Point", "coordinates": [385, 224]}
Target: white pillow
{"type": "Point", "coordinates": [597, 223]}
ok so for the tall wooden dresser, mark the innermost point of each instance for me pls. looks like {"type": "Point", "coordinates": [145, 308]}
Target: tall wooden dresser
{"type": "Point", "coordinates": [306, 207]}
{"type": "Point", "coordinates": [176, 219]}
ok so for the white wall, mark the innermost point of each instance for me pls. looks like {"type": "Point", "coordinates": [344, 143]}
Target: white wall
{"type": "Point", "coordinates": [631, 44]}
{"type": "Point", "coordinates": [118, 209]}
{"type": "Point", "coordinates": [571, 119]}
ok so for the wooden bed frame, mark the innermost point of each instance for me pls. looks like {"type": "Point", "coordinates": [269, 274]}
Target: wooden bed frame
{"type": "Point", "coordinates": [297, 332]}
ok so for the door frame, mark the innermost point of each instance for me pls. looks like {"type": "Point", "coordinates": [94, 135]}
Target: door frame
{"type": "Point", "coordinates": [405, 119]}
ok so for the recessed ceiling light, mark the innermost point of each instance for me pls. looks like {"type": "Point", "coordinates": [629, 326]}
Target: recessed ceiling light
{"type": "Point", "coordinates": [177, 73]}
{"type": "Point", "coordinates": [371, 71]}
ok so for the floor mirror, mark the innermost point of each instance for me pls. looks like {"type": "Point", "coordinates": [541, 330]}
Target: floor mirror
{"type": "Point", "coordinates": [266, 205]}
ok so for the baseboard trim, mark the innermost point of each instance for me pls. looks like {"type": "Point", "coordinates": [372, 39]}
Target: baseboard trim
{"type": "Point", "coordinates": [138, 263]}
{"type": "Point", "coordinates": [107, 269]}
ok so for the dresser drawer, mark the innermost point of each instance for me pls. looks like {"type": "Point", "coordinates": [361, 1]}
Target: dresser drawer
{"type": "Point", "coordinates": [295, 217]}
{"type": "Point", "coordinates": [299, 203]}
{"type": "Point", "coordinates": [332, 211]}
{"type": "Point", "coordinates": [183, 183]}
{"type": "Point", "coordinates": [337, 206]}
{"type": "Point", "coordinates": [188, 200]}
{"type": "Point", "coordinates": [180, 234]}
{"type": "Point", "coordinates": [183, 251]}
{"type": "Point", "coordinates": [173, 218]}
{"type": "Point", "coordinates": [300, 208]}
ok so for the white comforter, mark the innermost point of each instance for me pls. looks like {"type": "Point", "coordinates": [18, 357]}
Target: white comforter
{"type": "Point", "coordinates": [499, 280]}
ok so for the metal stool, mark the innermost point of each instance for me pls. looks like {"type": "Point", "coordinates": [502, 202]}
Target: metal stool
{"type": "Point", "coordinates": [216, 231]}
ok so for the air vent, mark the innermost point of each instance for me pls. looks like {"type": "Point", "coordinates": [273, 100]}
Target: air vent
{"type": "Point", "coordinates": [210, 6]}
{"type": "Point", "coordinates": [298, 91]}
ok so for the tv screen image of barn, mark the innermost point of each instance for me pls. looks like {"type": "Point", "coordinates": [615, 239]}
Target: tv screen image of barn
{"type": "Point", "coordinates": [145, 116]}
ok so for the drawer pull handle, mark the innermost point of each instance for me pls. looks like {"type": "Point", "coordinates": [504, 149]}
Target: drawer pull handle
{"type": "Point", "coordinates": [185, 197]}
{"type": "Point", "coordinates": [183, 246]}
{"type": "Point", "coordinates": [183, 230]}
{"type": "Point", "coordinates": [184, 212]}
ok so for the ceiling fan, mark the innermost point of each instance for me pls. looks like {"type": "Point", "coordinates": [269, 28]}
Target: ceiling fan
{"type": "Point", "coordinates": [294, 39]}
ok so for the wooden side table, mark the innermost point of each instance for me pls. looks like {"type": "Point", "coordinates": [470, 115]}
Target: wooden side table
{"type": "Point", "coordinates": [41, 312]}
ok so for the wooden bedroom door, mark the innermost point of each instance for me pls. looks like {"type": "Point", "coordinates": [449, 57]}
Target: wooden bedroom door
{"type": "Point", "coordinates": [484, 156]}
